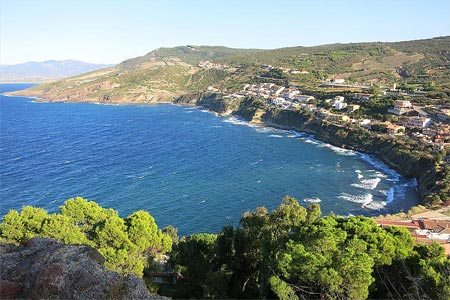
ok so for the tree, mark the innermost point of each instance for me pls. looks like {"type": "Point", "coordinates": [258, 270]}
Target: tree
{"type": "Point", "coordinates": [194, 257]}
{"type": "Point", "coordinates": [60, 227]}
{"type": "Point", "coordinates": [19, 227]}
{"type": "Point", "coordinates": [376, 91]}
{"type": "Point", "coordinates": [125, 244]}
{"type": "Point", "coordinates": [143, 231]}
{"type": "Point", "coordinates": [86, 214]}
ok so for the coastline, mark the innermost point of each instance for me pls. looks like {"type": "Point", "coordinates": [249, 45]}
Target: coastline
{"type": "Point", "coordinates": [215, 104]}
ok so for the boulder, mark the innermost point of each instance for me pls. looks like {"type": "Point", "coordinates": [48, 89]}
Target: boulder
{"type": "Point", "coordinates": [47, 269]}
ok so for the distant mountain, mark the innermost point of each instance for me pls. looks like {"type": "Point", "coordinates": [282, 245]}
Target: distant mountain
{"type": "Point", "coordinates": [46, 70]}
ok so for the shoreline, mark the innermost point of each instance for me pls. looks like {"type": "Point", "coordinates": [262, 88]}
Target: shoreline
{"type": "Point", "coordinates": [259, 123]}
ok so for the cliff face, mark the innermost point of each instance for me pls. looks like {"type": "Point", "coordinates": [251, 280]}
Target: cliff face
{"type": "Point", "coordinates": [407, 163]}
{"type": "Point", "coordinates": [48, 269]}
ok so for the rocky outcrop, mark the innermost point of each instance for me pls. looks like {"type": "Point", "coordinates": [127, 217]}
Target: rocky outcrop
{"type": "Point", "coordinates": [48, 269]}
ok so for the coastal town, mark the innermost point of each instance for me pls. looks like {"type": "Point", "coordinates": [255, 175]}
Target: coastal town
{"type": "Point", "coordinates": [404, 119]}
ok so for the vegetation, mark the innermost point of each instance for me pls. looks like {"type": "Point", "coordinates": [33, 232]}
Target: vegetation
{"type": "Point", "coordinates": [289, 253]}
{"type": "Point", "coordinates": [127, 244]}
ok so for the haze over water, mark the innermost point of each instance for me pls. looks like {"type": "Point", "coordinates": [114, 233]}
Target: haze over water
{"type": "Point", "coordinates": [187, 167]}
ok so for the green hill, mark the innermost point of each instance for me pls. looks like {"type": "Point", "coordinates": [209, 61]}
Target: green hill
{"type": "Point", "coordinates": [167, 73]}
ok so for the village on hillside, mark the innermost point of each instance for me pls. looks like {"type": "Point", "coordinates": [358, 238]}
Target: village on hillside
{"type": "Point", "coordinates": [429, 124]}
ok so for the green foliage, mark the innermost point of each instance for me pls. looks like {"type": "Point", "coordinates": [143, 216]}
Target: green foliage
{"type": "Point", "coordinates": [19, 227]}
{"type": "Point", "coordinates": [126, 244]}
{"type": "Point", "coordinates": [282, 289]}
{"type": "Point", "coordinates": [291, 253]}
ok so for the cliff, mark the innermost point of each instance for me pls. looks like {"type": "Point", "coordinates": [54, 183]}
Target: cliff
{"type": "Point", "coordinates": [47, 269]}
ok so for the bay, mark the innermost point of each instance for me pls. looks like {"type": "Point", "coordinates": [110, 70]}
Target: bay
{"type": "Point", "coordinates": [187, 167]}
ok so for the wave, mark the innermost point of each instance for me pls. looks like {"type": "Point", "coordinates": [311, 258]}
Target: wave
{"type": "Point", "coordinates": [376, 205]}
{"type": "Point", "coordinates": [368, 184]}
{"type": "Point", "coordinates": [312, 200]}
{"type": "Point", "coordinates": [308, 138]}
{"type": "Point", "coordinates": [275, 136]}
{"type": "Point", "coordinates": [365, 200]}
{"type": "Point", "coordinates": [256, 162]}
{"type": "Point", "coordinates": [339, 150]}
{"type": "Point", "coordinates": [238, 121]}
{"type": "Point", "coordinates": [394, 176]}
{"type": "Point", "coordinates": [210, 112]}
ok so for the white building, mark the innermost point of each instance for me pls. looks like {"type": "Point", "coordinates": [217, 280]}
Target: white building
{"type": "Point", "coordinates": [337, 80]}
{"type": "Point", "coordinates": [303, 98]}
{"type": "Point", "coordinates": [418, 122]}
{"type": "Point", "coordinates": [340, 105]}
{"type": "Point", "coordinates": [401, 107]}
{"type": "Point", "coordinates": [336, 100]}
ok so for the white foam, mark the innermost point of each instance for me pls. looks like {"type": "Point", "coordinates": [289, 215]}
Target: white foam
{"type": "Point", "coordinates": [264, 129]}
{"type": "Point", "coordinates": [294, 133]}
{"type": "Point", "coordinates": [376, 205]}
{"type": "Point", "coordinates": [256, 162]}
{"type": "Point", "coordinates": [237, 121]}
{"type": "Point", "coordinates": [360, 175]}
{"type": "Point", "coordinates": [368, 184]}
{"type": "Point", "coordinates": [312, 200]}
{"type": "Point", "coordinates": [363, 199]}
{"type": "Point", "coordinates": [338, 150]}
{"type": "Point", "coordinates": [275, 136]}
{"type": "Point", "coordinates": [394, 176]}
{"type": "Point", "coordinates": [380, 175]}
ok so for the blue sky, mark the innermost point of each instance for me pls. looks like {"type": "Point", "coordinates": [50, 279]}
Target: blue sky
{"type": "Point", "coordinates": [112, 31]}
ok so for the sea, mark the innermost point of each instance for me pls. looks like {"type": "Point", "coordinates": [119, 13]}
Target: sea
{"type": "Point", "coordinates": [188, 167]}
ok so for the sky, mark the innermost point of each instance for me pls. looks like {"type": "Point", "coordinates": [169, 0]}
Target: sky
{"type": "Point", "coordinates": [111, 31]}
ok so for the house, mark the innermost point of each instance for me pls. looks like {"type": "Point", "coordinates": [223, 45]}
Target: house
{"type": "Point", "coordinates": [303, 98]}
{"type": "Point", "coordinates": [417, 122]}
{"type": "Point", "coordinates": [338, 99]}
{"type": "Point", "coordinates": [340, 105]}
{"type": "Point", "coordinates": [437, 229]}
{"type": "Point", "coordinates": [393, 129]}
{"type": "Point", "coordinates": [353, 107]}
{"type": "Point", "coordinates": [400, 107]}
{"type": "Point", "coordinates": [412, 226]}
{"type": "Point", "coordinates": [365, 122]}
{"type": "Point", "coordinates": [310, 107]}
{"type": "Point", "coordinates": [291, 94]}
{"type": "Point", "coordinates": [338, 80]}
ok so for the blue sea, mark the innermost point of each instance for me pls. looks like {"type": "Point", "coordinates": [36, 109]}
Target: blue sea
{"type": "Point", "coordinates": [187, 167]}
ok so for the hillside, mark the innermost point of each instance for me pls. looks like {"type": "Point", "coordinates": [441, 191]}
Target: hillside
{"type": "Point", "coordinates": [46, 70]}
{"type": "Point", "coordinates": [166, 73]}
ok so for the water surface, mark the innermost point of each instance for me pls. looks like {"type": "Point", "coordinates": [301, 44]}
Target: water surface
{"type": "Point", "coordinates": [187, 167]}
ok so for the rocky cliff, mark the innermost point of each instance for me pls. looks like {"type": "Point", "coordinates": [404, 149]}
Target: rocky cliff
{"type": "Point", "coordinates": [48, 269]}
